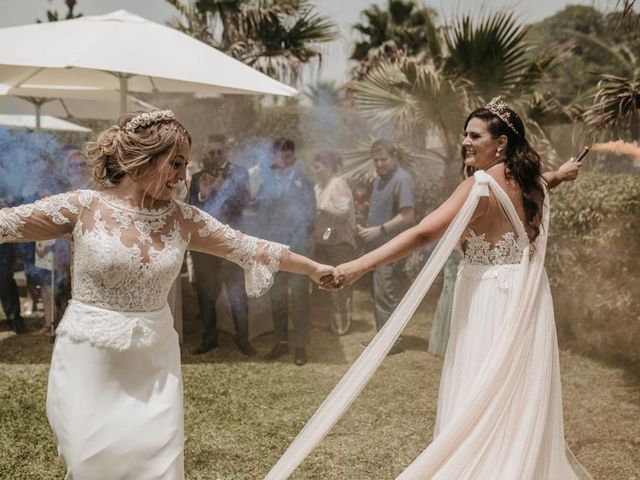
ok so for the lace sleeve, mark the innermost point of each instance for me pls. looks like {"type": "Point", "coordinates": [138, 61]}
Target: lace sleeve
{"type": "Point", "coordinates": [260, 259]}
{"type": "Point", "coordinates": [48, 218]}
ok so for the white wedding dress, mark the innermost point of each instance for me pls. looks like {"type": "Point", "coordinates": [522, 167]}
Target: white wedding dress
{"type": "Point", "coordinates": [114, 397]}
{"type": "Point", "coordinates": [499, 411]}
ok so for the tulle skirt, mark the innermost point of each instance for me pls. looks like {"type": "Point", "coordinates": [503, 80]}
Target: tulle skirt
{"type": "Point", "coordinates": [118, 414]}
{"type": "Point", "coordinates": [527, 440]}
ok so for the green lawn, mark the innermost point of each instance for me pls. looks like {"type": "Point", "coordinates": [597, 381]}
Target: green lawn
{"type": "Point", "coordinates": [241, 414]}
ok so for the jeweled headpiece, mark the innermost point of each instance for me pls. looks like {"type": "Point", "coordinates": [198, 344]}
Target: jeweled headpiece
{"type": "Point", "coordinates": [499, 108]}
{"type": "Point", "coordinates": [149, 118]}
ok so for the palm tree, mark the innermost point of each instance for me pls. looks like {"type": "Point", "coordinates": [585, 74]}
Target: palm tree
{"type": "Point", "coordinates": [493, 55]}
{"type": "Point", "coordinates": [616, 106]}
{"type": "Point", "coordinates": [276, 37]}
{"type": "Point", "coordinates": [54, 16]}
{"type": "Point", "coordinates": [403, 26]}
{"type": "Point", "coordinates": [418, 97]}
{"type": "Point", "coordinates": [191, 21]}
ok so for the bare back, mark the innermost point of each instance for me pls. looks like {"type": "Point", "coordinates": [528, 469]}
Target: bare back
{"type": "Point", "coordinates": [492, 236]}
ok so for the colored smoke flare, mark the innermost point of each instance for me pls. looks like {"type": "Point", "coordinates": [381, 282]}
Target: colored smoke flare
{"type": "Point", "coordinates": [619, 147]}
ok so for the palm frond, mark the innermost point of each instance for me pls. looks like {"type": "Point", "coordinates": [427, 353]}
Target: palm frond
{"type": "Point", "coordinates": [616, 105]}
{"type": "Point", "coordinates": [405, 26]}
{"type": "Point", "coordinates": [278, 39]}
{"type": "Point", "coordinates": [412, 99]}
{"type": "Point", "coordinates": [191, 21]}
{"type": "Point", "coordinates": [492, 54]}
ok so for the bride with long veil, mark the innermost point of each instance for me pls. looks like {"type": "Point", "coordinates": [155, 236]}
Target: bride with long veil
{"type": "Point", "coordinates": [500, 405]}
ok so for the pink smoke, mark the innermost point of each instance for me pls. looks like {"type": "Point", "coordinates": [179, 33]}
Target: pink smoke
{"type": "Point", "coordinates": [619, 147]}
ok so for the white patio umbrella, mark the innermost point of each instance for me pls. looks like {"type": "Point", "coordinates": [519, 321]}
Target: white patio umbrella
{"type": "Point", "coordinates": [124, 52]}
{"type": "Point", "coordinates": [105, 106]}
{"type": "Point", "coordinates": [47, 122]}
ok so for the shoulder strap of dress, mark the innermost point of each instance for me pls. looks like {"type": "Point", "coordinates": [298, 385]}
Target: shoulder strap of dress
{"type": "Point", "coordinates": [483, 178]}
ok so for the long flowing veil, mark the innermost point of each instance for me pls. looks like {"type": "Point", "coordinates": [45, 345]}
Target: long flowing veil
{"type": "Point", "coordinates": [489, 394]}
{"type": "Point", "coordinates": [346, 391]}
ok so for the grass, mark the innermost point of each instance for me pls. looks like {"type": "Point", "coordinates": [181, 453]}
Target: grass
{"type": "Point", "coordinates": [240, 414]}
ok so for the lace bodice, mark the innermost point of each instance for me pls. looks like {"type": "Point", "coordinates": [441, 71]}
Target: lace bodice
{"type": "Point", "coordinates": [126, 258]}
{"type": "Point", "coordinates": [479, 251]}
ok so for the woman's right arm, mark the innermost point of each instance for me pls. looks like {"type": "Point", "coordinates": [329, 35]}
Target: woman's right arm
{"type": "Point", "coordinates": [431, 228]}
{"type": "Point", "coordinates": [46, 219]}
{"type": "Point", "coordinates": [259, 258]}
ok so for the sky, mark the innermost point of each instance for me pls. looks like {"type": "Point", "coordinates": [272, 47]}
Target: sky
{"type": "Point", "coordinates": [335, 61]}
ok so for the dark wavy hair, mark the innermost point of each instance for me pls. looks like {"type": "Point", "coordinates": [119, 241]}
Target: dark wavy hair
{"type": "Point", "coordinates": [522, 162]}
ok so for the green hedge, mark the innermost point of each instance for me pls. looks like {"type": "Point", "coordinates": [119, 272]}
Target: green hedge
{"type": "Point", "coordinates": [593, 263]}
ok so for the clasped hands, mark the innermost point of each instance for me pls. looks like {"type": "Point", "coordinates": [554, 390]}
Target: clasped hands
{"type": "Point", "coordinates": [335, 278]}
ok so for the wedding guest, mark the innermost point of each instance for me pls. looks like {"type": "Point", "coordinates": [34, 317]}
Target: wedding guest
{"type": "Point", "coordinates": [9, 297]}
{"type": "Point", "coordinates": [286, 210]}
{"type": "Point", "coordinates": [391, 211]}
{"type": "Point", "coordinates": [334, 240]}
{"type": "Point", "coordinates": [221, 189]}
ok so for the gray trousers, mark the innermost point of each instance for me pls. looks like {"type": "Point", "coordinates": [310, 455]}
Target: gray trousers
{"type": "Point", "coordinates": [286, 287]}
{"type": "Point", "coordinates": [386, 291]}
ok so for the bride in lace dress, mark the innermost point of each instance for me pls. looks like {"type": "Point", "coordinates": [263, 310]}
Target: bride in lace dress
{"type": "Point", "coordinates": [114, 397]}
{"type": "Point", "coordinates": [499, 413]}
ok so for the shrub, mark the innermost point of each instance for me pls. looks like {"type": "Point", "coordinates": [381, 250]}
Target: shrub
{"type": "Point", "coordinates": [593, 262]}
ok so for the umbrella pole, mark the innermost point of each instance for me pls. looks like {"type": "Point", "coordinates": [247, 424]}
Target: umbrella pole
{"type": "Point", "coordinates": [37, 103]}
{"type": "Point", "coordinates": [38, 110]}
{"type": "Point", "coordinates": [124, 90]}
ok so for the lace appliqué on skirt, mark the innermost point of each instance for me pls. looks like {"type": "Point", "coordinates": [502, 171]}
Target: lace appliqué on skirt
{"type": "Point", "coordinates": [112, 329]}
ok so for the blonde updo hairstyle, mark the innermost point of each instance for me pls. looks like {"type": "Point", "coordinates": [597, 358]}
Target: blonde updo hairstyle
{"type": "Point", "coordinates": [121, 150]}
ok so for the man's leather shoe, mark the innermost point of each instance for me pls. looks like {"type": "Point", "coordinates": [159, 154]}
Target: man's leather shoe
{"type": "Point", "coordinates": [245, 347]}
{"type": "Point", "coordinates": [278, 350]}
{"type": "Point", "coordinates": [19, 327]}
{"type": "Point", "coordinates": [206, 346]}
{"type": "Point", "coordinates": [300, 356]}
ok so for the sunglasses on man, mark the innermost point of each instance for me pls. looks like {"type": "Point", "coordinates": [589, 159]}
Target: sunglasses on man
{"type": "Point", "coordinates": [216, 152]}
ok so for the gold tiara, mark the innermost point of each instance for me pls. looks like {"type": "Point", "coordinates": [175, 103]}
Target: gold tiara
{"type": "Point", "coordinates": [149, 118]}
{"type": "Point", "coordinates": [499, 108]}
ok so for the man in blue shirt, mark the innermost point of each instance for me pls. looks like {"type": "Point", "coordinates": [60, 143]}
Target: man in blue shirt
{"type": "Point", "coordinates": [285, 213]}
{"type": "Point", "coordinates": [391, 210]}
{"type": "Point", "coordinates": [221, 189]}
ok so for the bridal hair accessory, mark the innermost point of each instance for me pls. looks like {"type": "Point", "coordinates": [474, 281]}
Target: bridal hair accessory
{"type": "Point", "coordinates": [499, 108]}
{"type": "Point", "coordinates": [149, 118]}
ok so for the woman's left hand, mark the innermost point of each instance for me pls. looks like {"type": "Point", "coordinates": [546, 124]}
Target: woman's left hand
{"type": "Point", "coordinates": [569, 170]}
{"type": "Point", "coordinates": [324, 275]}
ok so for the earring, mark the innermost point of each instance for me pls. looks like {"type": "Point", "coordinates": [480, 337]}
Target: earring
{"type": "Point", "coordinates": [498, 153]}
